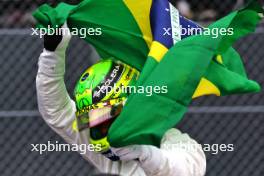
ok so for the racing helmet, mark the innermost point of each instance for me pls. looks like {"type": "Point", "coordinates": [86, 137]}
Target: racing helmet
{"type": "Point", "coordinates": [100, 95]}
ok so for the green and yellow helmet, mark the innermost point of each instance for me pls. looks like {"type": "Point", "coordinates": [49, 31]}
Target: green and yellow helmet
{"type": "Point", "coordinates": [100, 96]}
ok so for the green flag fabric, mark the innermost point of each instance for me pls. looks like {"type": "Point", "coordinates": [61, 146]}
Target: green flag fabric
{"type": "Point", "coordinates": [189, 66]}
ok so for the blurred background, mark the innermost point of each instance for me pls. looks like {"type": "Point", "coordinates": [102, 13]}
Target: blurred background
{"type": "Point", "coordinates": [237, 119]}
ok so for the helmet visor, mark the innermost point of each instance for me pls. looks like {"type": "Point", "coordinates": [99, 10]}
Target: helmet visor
{"type": "Point", "coordinates": [99, 114]}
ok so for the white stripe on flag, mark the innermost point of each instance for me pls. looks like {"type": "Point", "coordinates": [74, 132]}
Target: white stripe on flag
{"type": "Point", "coordinates": [175, 24]}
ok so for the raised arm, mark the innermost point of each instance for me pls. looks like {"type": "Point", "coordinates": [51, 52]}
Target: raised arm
{"type": "Point", "coordinates": [54, 103]}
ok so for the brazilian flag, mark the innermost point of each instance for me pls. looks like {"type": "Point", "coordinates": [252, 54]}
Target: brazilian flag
{"type": "Point", "coordinates": [146, 34]}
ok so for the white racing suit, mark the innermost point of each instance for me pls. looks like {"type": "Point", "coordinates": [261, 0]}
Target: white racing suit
{"type": "Point", "coordinates": [58, 111]}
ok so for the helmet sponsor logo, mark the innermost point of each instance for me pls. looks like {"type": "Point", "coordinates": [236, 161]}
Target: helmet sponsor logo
{"type": "Point", "coordinates": [108, 83]}
{"type": "Point", "coordinates": [112, 76]}
{"type": "Point", "coordinates": [85, 76]}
